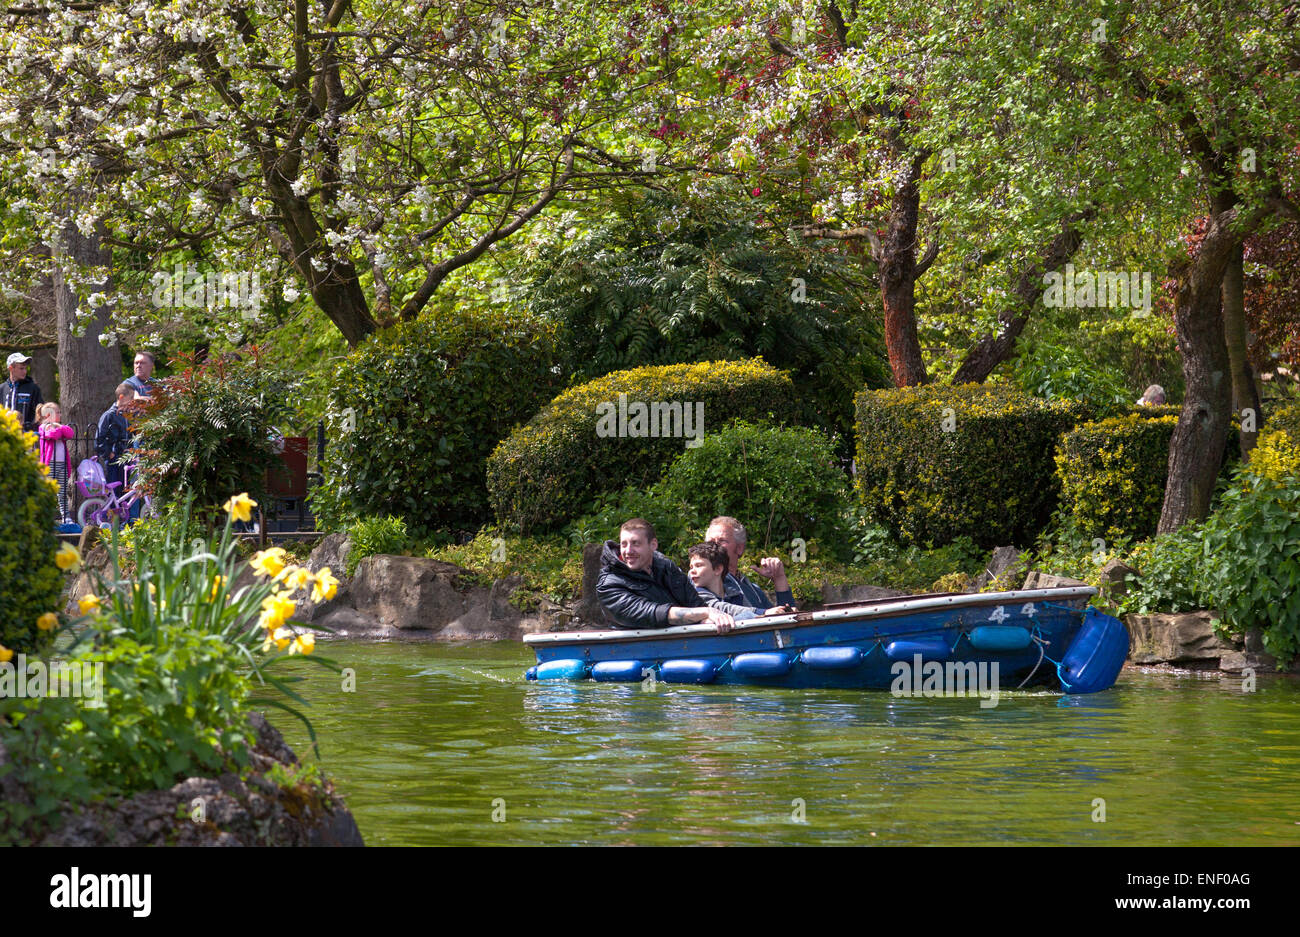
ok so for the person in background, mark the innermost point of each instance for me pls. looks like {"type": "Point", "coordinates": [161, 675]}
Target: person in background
{"type": "Point", "coordinates": [730, 534]}
{"type": "Point", "coordinates": [140, 381]}
{"type": "Point", "coordinates": [20, 393]}
{"type": "Point", "coordinates": [113, 438]}
{"type": "Point", "coordinates": [1154, 396]}
{"type": "Point", "coordinates": [54, 452]}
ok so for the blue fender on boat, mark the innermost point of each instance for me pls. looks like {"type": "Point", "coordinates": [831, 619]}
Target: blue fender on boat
{"type": "Point", "coordinates": [618, 671]}
{"type": "Point", "coordinates": [1096, 655]}
{"type": "Point", "coordinates": [761, 664]}
{"type": "Point", "coordinates": [687, 671]}
{"type": "Point", "coordinates": [568, 669]}
{"type": "Point", "coordinates": [832, 658]}
{"type": "Point", "coordinates": [999, 638]}
{"type": "Point", "coordinates": [928, 648]}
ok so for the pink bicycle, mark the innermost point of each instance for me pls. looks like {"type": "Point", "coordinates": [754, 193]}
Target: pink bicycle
{"type": "Point", "coordinates": [101, 506]}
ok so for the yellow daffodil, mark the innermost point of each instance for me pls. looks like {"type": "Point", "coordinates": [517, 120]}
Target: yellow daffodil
{"type": "Point", "coordinates": [282, 637]}
{"type": "Point", "coordinates": [68, 557]}
{"type": "Point", "coordinates": [326, 586]}
{"type": "Point", "coordinates": [217, 583]}
{"type": "Point", "coordinates": [295, 577]}
{"type": "Point", "coordinates": [276, 610]}
{"type": "Point", "coordinates": [240, 507]}
{"type": "Point", "coordinates": [48, 622]}
{"type": "Point", "coordinates": [303, 644]}
{"type": "Point", "coordinates": [89, 603]}
{"type": "Point", "coordinates": [269, 562]}
{"type": "Point", "coordinates": [6, 655]}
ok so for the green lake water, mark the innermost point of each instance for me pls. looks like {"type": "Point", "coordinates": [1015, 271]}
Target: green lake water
{"type": "Point", "coordinates": [447, 744]}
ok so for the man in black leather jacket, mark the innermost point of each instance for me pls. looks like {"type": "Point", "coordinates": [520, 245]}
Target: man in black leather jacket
{"type": "Point", "coordinates": [639, 587]}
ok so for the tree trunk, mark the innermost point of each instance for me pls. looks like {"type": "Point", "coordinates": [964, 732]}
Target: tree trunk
{"type": "Point", "coordinates": [1196, 450]}
{"type": "Point", "coordinates": [991, 350]}
{"type": "Point", "coordinates": [1245, 393]}
{"type": "Point", "coordinates": [897, 263]}
{"type": "Point", "coordinates": [88, 372]}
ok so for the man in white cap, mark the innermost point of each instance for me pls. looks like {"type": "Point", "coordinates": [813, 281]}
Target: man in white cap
{"type": "Point", "coordinates": [20, 393]}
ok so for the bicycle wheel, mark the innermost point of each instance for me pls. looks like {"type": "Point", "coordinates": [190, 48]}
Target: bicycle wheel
{"type": "Point", "coordinates": [86, 514]}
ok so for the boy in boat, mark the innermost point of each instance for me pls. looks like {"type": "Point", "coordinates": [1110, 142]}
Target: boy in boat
{"type": "Point", "coordinates": [728, 533]}
{"type": "Point", "coordinates": [639, 587]}
{"type": "Point", "coordinates": [708, 569]}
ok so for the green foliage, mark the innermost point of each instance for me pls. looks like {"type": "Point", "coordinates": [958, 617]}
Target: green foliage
{"type": "Point", "coordinates": [207, 433]}
{"type": "Point", "coordinates": [174, 708]}
{"type": "Point", "coordinates": [415, 410]}
{"type": "Point", "coordinates": [1172, 573]}
{"type": "Point", "coordinates": [676, 522]}
{"type": "Point", "coordinates": [1252, 547]}
{"type": "Point", "coordinates": [30, 583]}
{"type": "Point", "coordinates": [548, 567]}
{"type": "Point", "coordinates": [781, 483]}
{"type": "Point", "coordinates": [551, 470]}
{"type": "Point", "coordinates": [1112, 473]}
{"type": "Point", "coordinates": [938, 462]}
{"type": "Point", "coordinates": [1066, 372]}
{"type": "Point", "coordinates": [664, 279]}
{"type": "Point", "coordinates": [374, 536]}
{"type": "Point", "coordinates": [908, 569]}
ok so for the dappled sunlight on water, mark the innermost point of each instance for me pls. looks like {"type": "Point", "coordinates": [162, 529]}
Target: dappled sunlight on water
{"type": "Point", "coordinates": [439, 738]}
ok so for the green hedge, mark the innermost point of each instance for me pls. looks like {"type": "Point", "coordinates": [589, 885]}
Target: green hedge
{"type": "Point", "coordinates": [1112, 474]}
{"type": "Point", "coordinates": [30, 583]}
{"type": "Point", "coordinates": [938, 462]}
{"type": "Point", "coordinates": [780, 483]}
{"type": "Point", "coordinates": [416, 409]}
{"type": "Point", "coordinates": [552, 469]}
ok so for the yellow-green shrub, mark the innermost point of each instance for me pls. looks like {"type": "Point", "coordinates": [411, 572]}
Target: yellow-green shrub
{"type": "Point", "coordinates": [1286, 419]}
{"type": "Point", "coordinates": [1113, 473]}
{"type": "Point", "coordinates": [30, 583]}
{"type": "Point", "coordinates": [551, 469]}
{"type": "Point", "coordinates": [938, 462]}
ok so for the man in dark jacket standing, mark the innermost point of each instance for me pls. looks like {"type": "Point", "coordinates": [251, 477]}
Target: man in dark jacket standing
{"type": "Point", "coordinates": [113, 438]}
{"type": "Point", "coordinates": [639, 587]}
{"type": "Point", "coordinates": [20, 393]}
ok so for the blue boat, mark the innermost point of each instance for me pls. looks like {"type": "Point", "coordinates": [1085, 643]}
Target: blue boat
{"type": "Point", "coordinates": [942, 644]}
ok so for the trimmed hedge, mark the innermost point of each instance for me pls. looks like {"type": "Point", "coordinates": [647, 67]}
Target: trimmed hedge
{"type": "Point", "coordinates": [1113, 472]}
{"type": "Point", "coordinates": [428, 399]}
{"type": "Point", "coordinates": [30, 582]}
{"type": "Point", "coordinates": [780, 482]}
{"type": "Point", "coordinates": [939, 462]}
{"type": "Point", "coordinates": [552, 469]}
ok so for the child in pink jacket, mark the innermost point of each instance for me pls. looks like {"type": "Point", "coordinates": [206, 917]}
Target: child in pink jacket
{"type": "Point", "coordinates": [54, 452]}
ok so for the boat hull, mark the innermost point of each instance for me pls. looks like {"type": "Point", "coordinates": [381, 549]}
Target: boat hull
{"type": "Point", "coordinates": [929, 645]}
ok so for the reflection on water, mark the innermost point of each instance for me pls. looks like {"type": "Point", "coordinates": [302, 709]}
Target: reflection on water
{"type": "Point", "coordinates": [438, 739]}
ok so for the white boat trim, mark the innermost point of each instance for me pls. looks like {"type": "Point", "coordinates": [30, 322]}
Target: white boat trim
{"type": "Point", "coordinates": [802, 619]}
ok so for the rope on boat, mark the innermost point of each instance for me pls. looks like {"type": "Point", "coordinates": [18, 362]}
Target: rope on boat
{"type": "Point", "coordinates": [1042, 652]}
{"type": "Point", "coordinates": [1065, 684]}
